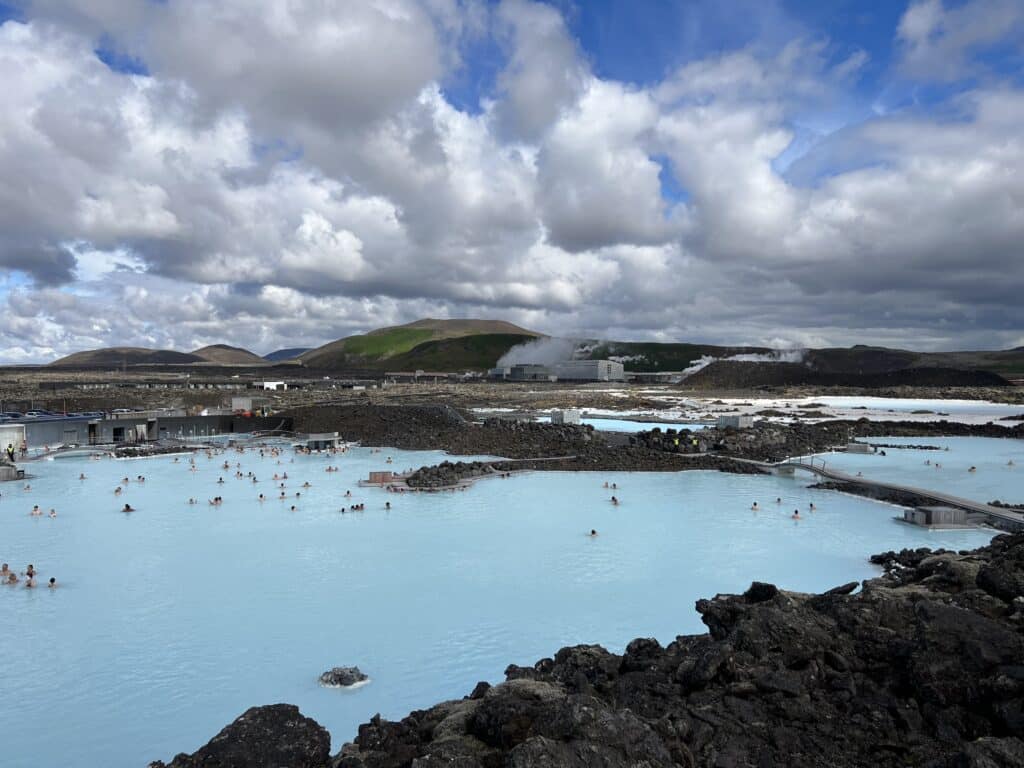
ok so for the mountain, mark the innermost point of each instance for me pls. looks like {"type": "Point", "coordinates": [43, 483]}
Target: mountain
{"type": "Point", "coordinates": [225, 355]}
{"type": "Point", "coordinates": [445, 345]}
{"type": "Point", "coordinates": [115, 357]}
{"type": "Point", "coordinates": [280, 355]}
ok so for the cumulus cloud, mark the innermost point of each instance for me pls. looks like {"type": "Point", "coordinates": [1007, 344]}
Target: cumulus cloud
{"type": "Point", "coordinates": [273, 175]}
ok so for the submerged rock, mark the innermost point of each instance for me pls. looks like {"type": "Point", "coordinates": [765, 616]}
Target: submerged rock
{"type": "Point", "coordinates": [342, 677]}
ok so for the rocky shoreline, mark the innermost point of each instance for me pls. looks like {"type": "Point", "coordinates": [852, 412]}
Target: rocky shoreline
{"type": "Point", "coordinates": [922, 666]}
{"type": "Point", "coordinates": [442, 427]}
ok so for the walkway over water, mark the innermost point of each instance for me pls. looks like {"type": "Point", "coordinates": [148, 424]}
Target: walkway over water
{"type": "Point", "coordinates": [997, 516]}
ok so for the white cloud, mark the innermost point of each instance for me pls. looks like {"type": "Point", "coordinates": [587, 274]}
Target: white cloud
{"type": "Point", "coordinates": [289, 173]}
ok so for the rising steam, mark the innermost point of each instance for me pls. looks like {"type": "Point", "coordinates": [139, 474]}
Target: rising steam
{"type": "Point", "coordinates": [541, 351]}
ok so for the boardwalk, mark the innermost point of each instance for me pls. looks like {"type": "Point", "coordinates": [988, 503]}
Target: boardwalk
{"type": "Point", "coordinates": [1002, 518]}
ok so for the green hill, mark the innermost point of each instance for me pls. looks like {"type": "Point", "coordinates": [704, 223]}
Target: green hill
{"type": "Point", "coordinates": [417, 345]}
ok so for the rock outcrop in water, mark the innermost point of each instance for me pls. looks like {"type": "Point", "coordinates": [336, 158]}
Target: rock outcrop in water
{"type": "Point", "coordinates": [342, 677]}
{"type": "Point", "coordinates": [924, 666]}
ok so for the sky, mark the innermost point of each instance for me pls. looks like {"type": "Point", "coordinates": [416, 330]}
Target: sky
{"type": "Point", "coordinates": [268, 174]}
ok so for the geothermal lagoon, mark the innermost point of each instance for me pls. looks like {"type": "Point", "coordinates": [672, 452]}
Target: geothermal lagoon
{"type": "Point", "coordinates": [172, 620]}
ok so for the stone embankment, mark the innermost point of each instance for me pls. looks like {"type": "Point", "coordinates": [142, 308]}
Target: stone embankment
{"type": "Point", "coordinates": [773, 442]}
{"type": "Point", "coordinates": [449, 473]}
{"type": "Point", "coordinates": [920, 667]}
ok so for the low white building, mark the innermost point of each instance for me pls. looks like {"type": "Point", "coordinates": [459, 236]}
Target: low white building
{"type": "Point", "coordinates": [272, 386]}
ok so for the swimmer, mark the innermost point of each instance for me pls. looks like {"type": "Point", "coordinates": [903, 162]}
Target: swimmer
{"type": "Point", "coordinates": [53, 583]}
{"type": "Point", "coordinates": [262, 498]}
{"type": "Point", "coordinates": [1009, 463]}
{"type": "Point", "coordinates": [796, 514]}
{"type": "Point", "coordinates": [348, 494]}
{"type": "Point", "coordinates": [754, 506]}
{"type": "Point", "coordinates": [5, 571]}
{"type": "Point", "coordinates": [192, 501]}
{"type": "Point", "coordinates": [778, 499]}
{"type": "Point", "coordinates": [293, 507]}
{"type": "Point", "coordinates": [593, 532]}
{"type": "Point", "coordinates": [36, 511]}
{"type": "Point", "coordinates": [281, 497]}
{"type": "Point", "coordinates": [13, 578]}
{"type": "Point", "coordinates": [220, 481]}
{"type": "Point", "coordinates": [30, 582]}
{"type": "Point", "coordinates": [306, 485]}
{"type": "Point", "coordinates": [128, 508]}
{"type": "Point", "coordinates": [605, 484]}
{"type": "Point", "coordinates": [117, 491]}
{"type": "Point", "coordinates": [615, 501]}
{"type": "Point", "coordinates": [812, 506]}
{"type": "Point", "coordinates": [387, 505]}
{"type": "Point", "coordinates": [31, 570]}
{"type": "Point", "coordinates": [81, 476]}
{"type": "Point", "coordinates": [973, 469]}
{"type": "Point", "coordinates": [53, 513]}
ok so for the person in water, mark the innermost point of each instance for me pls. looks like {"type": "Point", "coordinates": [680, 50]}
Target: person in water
{"type": "Point", "coordinates": [615, 501]}
{"type": "Point", "coordinates": [128, 508]}
{"type": "Point", "coordinates": [754, 506]}
{"type": "Point", "coordinates": [387, 505]}
{"type": "Point", "coordinates": [593, 532]}
{"type": "Point", "coordinates": [53, 583]}
{"type": "Point", "coordinates": [796, 514]}
{"type": "Point", "coordinates": [53, 513]}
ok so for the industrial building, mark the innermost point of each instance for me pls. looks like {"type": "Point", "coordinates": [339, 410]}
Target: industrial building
{"type": "Point", "coordinates": [530, 372]}
{"type": "Point", "coordinates": [567, 370]}
{"type": "Point", "coordinates": [589, 370]}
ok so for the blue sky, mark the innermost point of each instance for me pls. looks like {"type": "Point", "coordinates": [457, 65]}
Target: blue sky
{"type": "Point", "coordinates": [777, 172]}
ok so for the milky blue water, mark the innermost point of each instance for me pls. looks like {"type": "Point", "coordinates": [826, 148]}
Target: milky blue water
{"type": "Point", "coordinates": [993, 478]}
{"type": "Point", "coordinates": [172, 620]}
{"type": "Point", "coordinates": [625, 425]}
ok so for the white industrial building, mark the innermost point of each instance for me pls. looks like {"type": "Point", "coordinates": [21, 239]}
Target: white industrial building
{"type": "Point", "coordinates": [589, 370]}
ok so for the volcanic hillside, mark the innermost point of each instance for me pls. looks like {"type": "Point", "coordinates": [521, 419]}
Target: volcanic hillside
{"type": "Point", "coordinates": [225, 355]}
{"type": "Point", "coordinates": [116, 357]}
{"type": "Point", "coordinates": [440, 345]}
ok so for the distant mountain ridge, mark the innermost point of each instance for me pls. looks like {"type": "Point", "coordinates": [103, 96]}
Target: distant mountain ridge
{"type": "Point", "coordinates": [477, 344]}
{"type": "Point", "coordinates": [115, 357]}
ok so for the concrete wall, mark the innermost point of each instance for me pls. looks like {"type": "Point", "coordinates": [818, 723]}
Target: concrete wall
{"type": "Point", "coordinates": [87, 431]}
